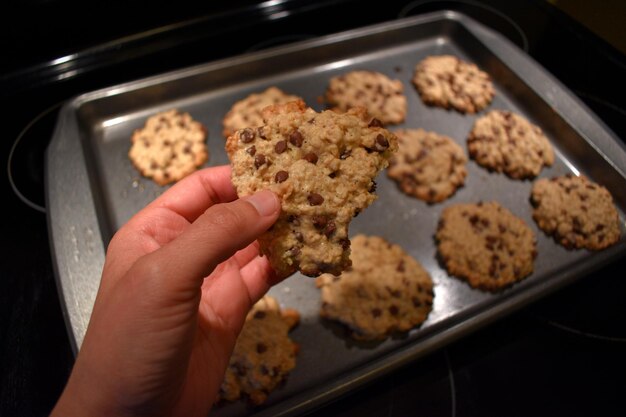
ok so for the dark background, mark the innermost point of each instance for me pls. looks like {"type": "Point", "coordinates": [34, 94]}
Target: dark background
{"type": "Point", "coordinates": [562, 355]}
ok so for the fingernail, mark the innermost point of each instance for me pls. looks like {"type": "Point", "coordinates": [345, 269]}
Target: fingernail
{"type": "Point", "coordinates": [265, 202]}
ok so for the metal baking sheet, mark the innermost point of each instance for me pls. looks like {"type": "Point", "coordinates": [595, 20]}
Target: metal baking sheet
{"type": "Point", "coordinates": [92, 189]}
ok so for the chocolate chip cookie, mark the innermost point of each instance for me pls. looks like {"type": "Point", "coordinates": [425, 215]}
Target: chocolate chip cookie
{"type": "Point", "coordinates": [428, 165]}
{"type": "Point", "coordinates": [485, 244]}
{"type": "Point", "coordinates": [264, 354]}
{"type": "Point", "coordinates": [576, 211]}
{"type": "Point", "coordinates": [247, 112]}
{"type": "Point", "coordinates": [504, 141]}
{"type": "Point", "coordinates": [382, 97]}
{"type": "Point", "coordinates": [322, 166]}
{"type": "Point", "coordinates": [169, 147]}
{"type": "Point", "coordinates": [449, 82]}
{"type": "Point", "coordinates": [385, 291]}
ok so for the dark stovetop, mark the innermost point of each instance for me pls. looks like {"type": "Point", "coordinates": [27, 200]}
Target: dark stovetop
{"type": "Point", "coordinates": [563, 355]}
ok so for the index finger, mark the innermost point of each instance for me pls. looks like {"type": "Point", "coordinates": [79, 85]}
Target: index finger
{"type": "Point", "coordinates": [194, 194]}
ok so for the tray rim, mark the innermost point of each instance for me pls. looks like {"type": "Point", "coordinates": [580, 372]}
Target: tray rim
{"type": "Point", "coordinates": [583, 121]}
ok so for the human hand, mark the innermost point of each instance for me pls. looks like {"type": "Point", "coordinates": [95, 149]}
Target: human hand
{"type": "Point", "coordinates": [177, 283]}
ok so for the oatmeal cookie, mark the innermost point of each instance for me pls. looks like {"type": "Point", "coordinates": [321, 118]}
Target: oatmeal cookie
{"type": "Point", "coordinates": [428, 165]}
{"type": "Point", "coordinates": [169, 147]}
{"type": "Point", "coordinates": [322, 166]}
{"type": "Point", "coordinates": [449, 82]}
{"type": "Point", "coordinates": [576, 211]}
{"type": "Point", "coordinates": [385, 291]}
{"type": "Point", "coordinates": [264, 354]}
{"type": "Point", "coordinates": [485, 244]}
{"type": "Point", "coordinates": [503, 141]}
{"type": "Point", "coordinates": [382, 97]}
{"type": "Point", "coordinates": [247, 112]}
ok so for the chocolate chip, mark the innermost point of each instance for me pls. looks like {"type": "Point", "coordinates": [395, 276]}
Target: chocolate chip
{"type": "Point", "coordinates": [381, 143]}
{"type": "Point", "coordinates": [375, 123]}
{"type": "Point", "coordinates": [416, 302]}
{"type": "Point", "coordinates": [260, 131]}
{"type": "Point", "coordinates": [259, 315]}
{"type": "Point", "coordinates": [247, 135]}
{"type": "Point", "coordinates": [281, 176]}
{"type": "Point", "coordinates": [280, 146]}
{"type": "Point", "coordinates": [393, 310]}
{"type": "Point", "coordinates": [373, 187]}
{"type": "Point", "coordinates": [261, 347]}
{"type": "Point", "coordinates": [319, 221]}
{"type": "Point", "coordinates": [376, 312]}
{"type": "Point", "coordinates": [315, 199]}
{"type": "Point", "coordinates": [259, 160]}
{"type": "Point", "coordinates": [400, 267]}
{"type": "Point", "coordinates": [311, 157]}
{"type": "Point", "coordinates": [345, 243]}
{"type": "Point", "coordinates": [344, 154]}
{"type": "Point", "coordinates": [240, 369]}
{"type": "Point", "coordinates": [298, 236]}
{"type": "Point", "coordinates": [251, 150]}
{"type": "Point", "coordinates": [296, 138]}
{"type": "Point", "coordinates": [330, 229]}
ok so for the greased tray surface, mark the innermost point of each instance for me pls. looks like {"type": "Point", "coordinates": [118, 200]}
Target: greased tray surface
{"type": "Point", "coordinates": [92, 188]}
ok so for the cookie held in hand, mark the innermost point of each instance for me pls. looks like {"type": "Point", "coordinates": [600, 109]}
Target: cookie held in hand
{"type": "Point", "coordinates": [322, 166]}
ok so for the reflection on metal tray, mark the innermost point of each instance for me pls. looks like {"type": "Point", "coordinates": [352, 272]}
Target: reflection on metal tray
{"type": "Point", "coordinates": [92, 188]}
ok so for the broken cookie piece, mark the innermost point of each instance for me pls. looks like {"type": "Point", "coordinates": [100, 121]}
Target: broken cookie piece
{"type": "Point", "coordinates": [322, 166]}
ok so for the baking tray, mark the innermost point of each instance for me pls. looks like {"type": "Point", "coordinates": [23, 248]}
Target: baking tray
{"type": "Point", "coordinates": [92, 188]}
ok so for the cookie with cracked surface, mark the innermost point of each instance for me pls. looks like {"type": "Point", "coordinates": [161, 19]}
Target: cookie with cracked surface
{"type": "Point", "coordinates": [578, 212]}
{"type": "Point", "coordinates": [322, 166]}
{"type": "Point", "coordinates": [247, 112]}
{"type": "Point", "coordinates": [384, 292]}
{"type": "Point", "coordinates": [485, 244]}
{"type": "Point", "coordinates": [169, 147]}
{"type": "Point", "coordinates": [382, 97]}
{"type": "Point", "coordinates": [504, 141]}
{"type": "Point", "coordinates": [449, 82]}
{"type": "Point", "coordinates": [264, 354]}
{"type": "Point", "coordinates": [428, 165]}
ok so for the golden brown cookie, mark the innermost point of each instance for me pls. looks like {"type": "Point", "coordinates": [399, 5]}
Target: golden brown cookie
{"type": "Point", "coordinates": [382, 97]}
{"type": "Point", "coordinates": [576, 211]}
{"type": "Point", "coordinates": [449, 82]}
{"type": "Point", "coordinates": [385, 291]}
{"type": "Point", "coordinates": [504, 141]}
{"type": "Point", "coordinates": [428, 165]}
{"type": "Point", "coordinates": [169, 147]}
{"type": "Point", "coordinates": [322, 166]}
{"type": "Point", "coordinates": [264, 354]}
{"type": "Point", "coordinates": [247, 112]}
{"type": "Point", "coordinates": [485, 244]}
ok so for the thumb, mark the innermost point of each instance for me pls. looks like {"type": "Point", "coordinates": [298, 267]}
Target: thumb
{"type": "Point", "coordinates": [180, 267]}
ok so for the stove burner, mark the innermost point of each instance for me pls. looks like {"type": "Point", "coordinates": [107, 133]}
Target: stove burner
{"type": "Point", "coordinates": [25, 163]}
{"type": "Point", "coordinates": [520, 40]}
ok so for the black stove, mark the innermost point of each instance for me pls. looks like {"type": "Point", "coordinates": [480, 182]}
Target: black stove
{"type": "Point", "coordinates": [563, 355]}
